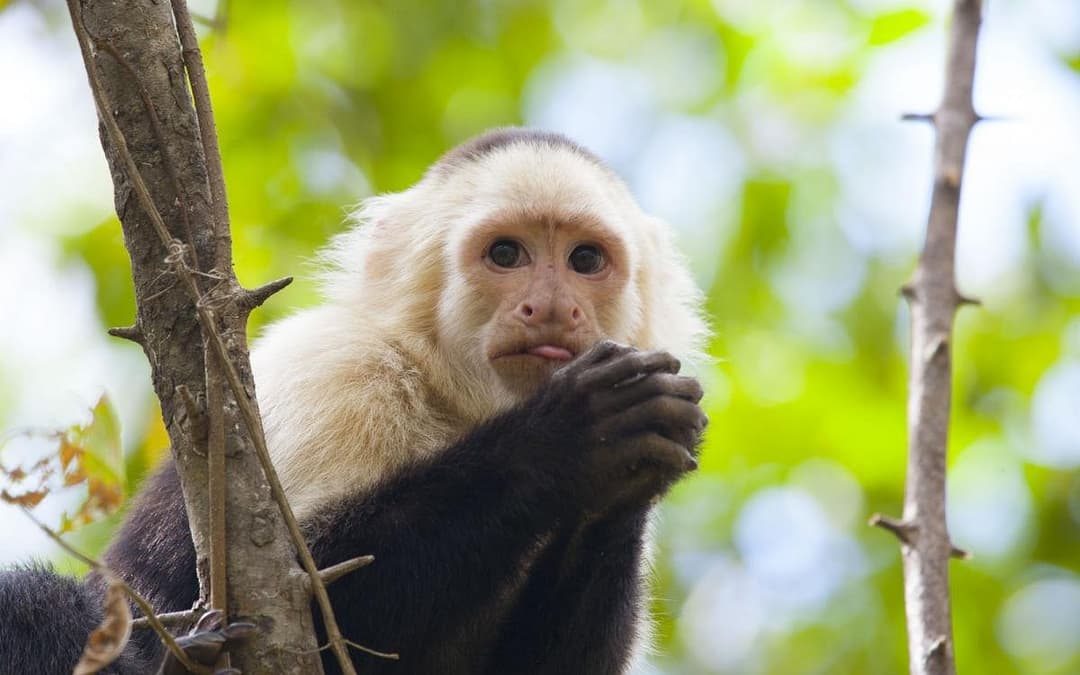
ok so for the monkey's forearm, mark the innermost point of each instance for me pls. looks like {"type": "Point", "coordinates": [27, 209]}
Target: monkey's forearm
{"type": "Point", "coordinates": [579, 610]}
{"type": "Point", "coordinates": [448, 537]}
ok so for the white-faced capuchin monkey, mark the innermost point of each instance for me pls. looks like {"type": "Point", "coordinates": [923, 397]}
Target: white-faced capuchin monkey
{"type": "Point", "coordinates": [487, 402]}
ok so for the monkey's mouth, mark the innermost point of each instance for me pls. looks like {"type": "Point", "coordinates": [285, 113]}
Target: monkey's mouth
{"type": "Point", "coordinates": [551, 352]}
{"type": "Point", "coordinates": [547, 351]}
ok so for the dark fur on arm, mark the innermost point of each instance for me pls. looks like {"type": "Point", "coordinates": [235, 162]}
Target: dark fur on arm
{"type": "Point", "coordinates": [580, 610]}
{"type": "Point", "coordinates": [450, 535]}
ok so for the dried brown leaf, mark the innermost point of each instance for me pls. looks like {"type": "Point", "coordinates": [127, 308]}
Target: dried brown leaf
{"type": "Point", "coordinates": [74, 477]}
{"type": "Point", "coordinates": [68, 452]}
{"type": "Point", "coordinates": [108, 640]}
{"type": "Point", "coordinates": [29, 499]}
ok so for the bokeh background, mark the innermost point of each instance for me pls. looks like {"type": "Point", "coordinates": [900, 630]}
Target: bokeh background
{"type": "Point", "coordinates": [767, 133]}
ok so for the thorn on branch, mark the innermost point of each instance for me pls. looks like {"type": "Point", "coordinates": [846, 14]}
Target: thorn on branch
{"type": "Point", "coordinates": [951, 176]}
{"type": "Point", "coordinates": [959, 553]}
{"type": "Point", "coordinates": [908, 291]}
{"type": "Point", "coordinates": [918, 117]}
{"type": "Point", "coordinates": [903, 530]}
{"type": "Point", "coordinates": [962, 299]}
{"type": "Point", "coordinates": [203, 20]}
{"type": "Point", "coordinates": [937, 649]}
{"type": "Point", "coordinates": [133, 333]}
{"type": "Point", "coordinates": [938, 347]}
{"type": "Point", "coordinates": [331, 574]}
{"type": "Point", "coordinates": [257, 296]}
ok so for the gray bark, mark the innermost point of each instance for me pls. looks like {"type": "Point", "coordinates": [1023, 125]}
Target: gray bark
{"type": "Point", "coordinates": [934, 299]}
{"type": "Point", "coordinates": [137, 54]}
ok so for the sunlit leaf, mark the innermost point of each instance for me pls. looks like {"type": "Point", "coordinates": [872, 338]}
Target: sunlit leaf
{"type": "Point", "coordinates": [886, 28]}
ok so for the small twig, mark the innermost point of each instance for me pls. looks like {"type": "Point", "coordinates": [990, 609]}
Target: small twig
{"type": "Point", "coordinates": [184, 619]}
{"type": "Point", "coordinates": [217, 487]}
{"type": "Point", "coordinates": [221, 16]}
{"type": "Point", "coordinates": [392, 656]}
{"type": "Point", "coordinates": [143, 604]}
{"type": "Point", "coordinates": [331, 574]}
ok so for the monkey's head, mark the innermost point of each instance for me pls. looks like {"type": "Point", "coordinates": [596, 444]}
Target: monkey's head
{"type": "Point", "coordinates": [516, 252]}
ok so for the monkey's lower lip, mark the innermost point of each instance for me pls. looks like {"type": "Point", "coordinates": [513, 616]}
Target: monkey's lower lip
{"type": "Point", "coordinates": [551, 352]}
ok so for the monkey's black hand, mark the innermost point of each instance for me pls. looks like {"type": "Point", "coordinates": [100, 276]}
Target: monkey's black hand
{"type": "Point", "coordinates": [637, 424]}
{"type": "Point", "coordinates": [206, 642]}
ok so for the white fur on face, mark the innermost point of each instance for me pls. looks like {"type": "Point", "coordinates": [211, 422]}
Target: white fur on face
{"type": "Point", "coordinates": [389, 369]}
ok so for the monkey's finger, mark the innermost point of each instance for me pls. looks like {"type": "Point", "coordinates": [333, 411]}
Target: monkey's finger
{"type": "Point", "coordinates": [675, 418]}
{"type": "Point", "coordinates": [656, 451]}
{"type": "Point", "coordinates": [628, 366]}
{"type": "Point", "coordinates": [599, 352]}
{"type": "Point", "coordinates": [657, 384]}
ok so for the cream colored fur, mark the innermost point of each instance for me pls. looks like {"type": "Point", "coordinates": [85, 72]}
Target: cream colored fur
{"type": "Point", "coordinates": [375, 378]}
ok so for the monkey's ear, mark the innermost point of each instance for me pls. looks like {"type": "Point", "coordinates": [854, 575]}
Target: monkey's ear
{"type": "Point", "coordinates": [672, 317]}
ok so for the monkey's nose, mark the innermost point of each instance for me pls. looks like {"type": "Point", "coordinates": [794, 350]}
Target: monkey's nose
{"type": "Point", "coordinates": [536, 312]}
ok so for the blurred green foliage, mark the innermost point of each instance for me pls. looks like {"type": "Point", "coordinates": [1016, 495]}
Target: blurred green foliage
{"type": "Point", "coordinates": [765, 564]}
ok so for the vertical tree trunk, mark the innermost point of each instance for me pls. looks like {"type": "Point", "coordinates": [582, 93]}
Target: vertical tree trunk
{"type": "Point", "coordinates": [135, 55]}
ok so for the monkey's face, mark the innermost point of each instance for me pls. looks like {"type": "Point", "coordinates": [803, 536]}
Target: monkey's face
{"type": "Point", "coordinates": [537, 289]}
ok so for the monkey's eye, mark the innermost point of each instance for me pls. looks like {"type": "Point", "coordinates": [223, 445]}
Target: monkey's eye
{"type": "Point", "coordinates": [507, 253]}
{"type": "Point", "coordinates": [587, 259]}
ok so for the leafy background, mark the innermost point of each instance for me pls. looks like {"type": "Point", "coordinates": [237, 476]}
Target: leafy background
{"type": "Point", "coordinates": [767, 133]}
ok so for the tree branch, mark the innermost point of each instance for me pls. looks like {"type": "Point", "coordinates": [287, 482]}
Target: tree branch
{"type": "Point", "coordinates": [177, 327]}
{"type": "Point", "coordinates": [934, 299]}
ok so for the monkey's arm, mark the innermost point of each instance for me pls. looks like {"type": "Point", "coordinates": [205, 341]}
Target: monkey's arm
{"type": "Point", "coordinates": [449, 535]}
{"type": "Point", "coordinates": [447, 538]}
{"type": "Point", "coordinates": [580, 610]}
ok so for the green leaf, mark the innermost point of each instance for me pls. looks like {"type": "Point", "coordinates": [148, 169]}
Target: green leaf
{"type": "Point", "coordinates": [892, 26]}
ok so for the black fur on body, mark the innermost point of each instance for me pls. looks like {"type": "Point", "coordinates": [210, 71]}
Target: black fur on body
{"type": "Point", "coordinates": [517, 549]}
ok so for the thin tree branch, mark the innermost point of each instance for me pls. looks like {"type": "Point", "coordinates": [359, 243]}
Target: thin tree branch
{"type": "Point", "coordinates": [204, 111]}
{"type": "Point", "coordinates": [933, 299]}
{"type": "Point", "coordinates": [390, 656]}
{"type": "Point", "coordinates": [218, 485]}
{"type": "Point", "coordinates": [182, 619]}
